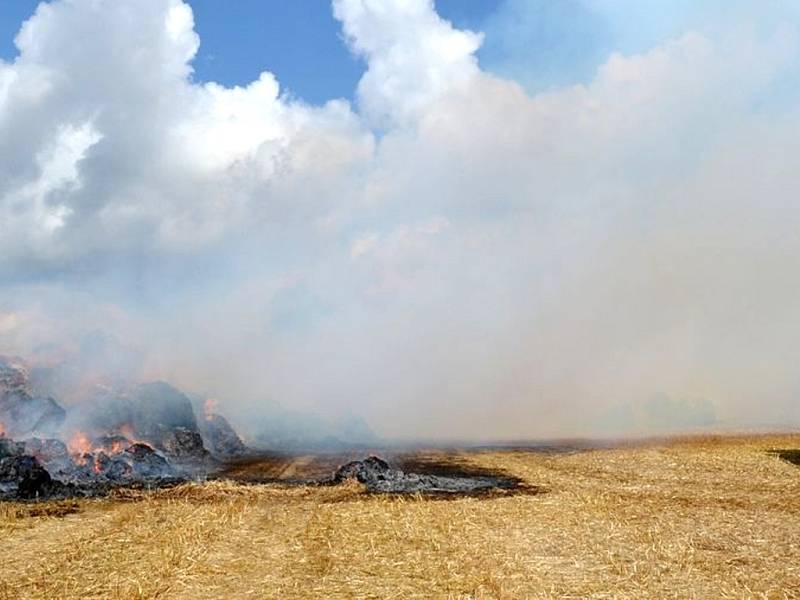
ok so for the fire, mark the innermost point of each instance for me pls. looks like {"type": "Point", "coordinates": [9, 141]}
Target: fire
{"type": "Point", "coordinates": [2, 430]}
{"type": "Point", "coordinates": [210, 407]}
{"type": "Point", "coordinates": [117, 447]}
{"type": "Point", "coordinates": [79, 444]}
{"type": "Point", "coordinates": [95, 454]}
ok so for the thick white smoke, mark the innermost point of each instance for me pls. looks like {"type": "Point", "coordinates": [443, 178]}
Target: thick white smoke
{"type": "Point", "coordinates": [451, 257]}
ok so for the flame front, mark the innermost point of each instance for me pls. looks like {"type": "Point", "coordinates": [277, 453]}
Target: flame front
{"type": "Point", "coordinates": [79, 444]}
{"type": "Point", "coordinates": [84, 449]}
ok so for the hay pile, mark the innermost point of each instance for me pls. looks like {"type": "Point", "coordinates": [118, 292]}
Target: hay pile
{"type": "Point", "coordinates": [711, 518]}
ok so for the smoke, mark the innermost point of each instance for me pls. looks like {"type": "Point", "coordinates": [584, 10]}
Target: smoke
{"type": "Point", "coordinates": [450, 256]}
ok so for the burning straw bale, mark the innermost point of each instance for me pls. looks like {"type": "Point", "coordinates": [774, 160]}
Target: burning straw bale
{"type": "Point", "coordinates": [146, 411]}
{"type": "Point", "coordinates": [220, 438]}
{"type": "Point", "coordinates": [131, 463]}
{"type": "Point", "coordinates": [21, 412]}
{"type": "Point", "coordinates": [153, 413]}
{"type": "Point", "coordinates": [124, 435]}
{"type": "Point", "coordinates": [10, 448]}
{"type": "Point", "coordinates": [183, 444]}
{"type": "Point", "coordinates": [46, 450]}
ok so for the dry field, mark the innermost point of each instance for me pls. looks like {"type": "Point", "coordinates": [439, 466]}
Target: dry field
{"type": "Point", "coordinates": [694, 518]}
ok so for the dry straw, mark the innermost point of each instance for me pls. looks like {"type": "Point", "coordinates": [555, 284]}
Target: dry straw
{"type": "Point", "coordinates": [692, 518]}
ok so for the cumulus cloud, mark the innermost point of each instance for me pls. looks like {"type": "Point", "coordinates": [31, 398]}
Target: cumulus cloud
{"type": "Point", "coordinates": [453, 256]}
{"type": "Point", "coordinates": [413, 56]}
{"type": "Point", "coordinates": [164, 162]}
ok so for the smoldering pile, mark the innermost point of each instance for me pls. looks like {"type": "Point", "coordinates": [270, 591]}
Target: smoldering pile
{"type": "Point", "coordinates": [147, 434]}
{"type": "Point", "coordinates": [379, 477]}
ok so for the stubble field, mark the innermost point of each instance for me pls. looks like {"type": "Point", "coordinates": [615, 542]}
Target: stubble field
{"type": "Point", "coordinates": [712, 517]}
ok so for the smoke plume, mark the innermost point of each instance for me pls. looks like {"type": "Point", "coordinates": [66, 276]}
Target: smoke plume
{"type": "Point", "coordinates": [450, 255]}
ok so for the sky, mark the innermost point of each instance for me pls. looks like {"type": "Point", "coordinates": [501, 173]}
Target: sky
{"type": "Point", "coordinates": [298, 41]}
{"type": "Point", "coordinates": [460, 220]}
{"type": "Point", "coordinates": [538, 42]}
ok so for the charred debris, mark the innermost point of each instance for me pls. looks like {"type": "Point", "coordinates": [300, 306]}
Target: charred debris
{"type": "Point", "coordinates": [149, 435]}
{"type": "Point", "coordinates": [145, 435]}
{"type": "Point", "coordinates": [427, 478]}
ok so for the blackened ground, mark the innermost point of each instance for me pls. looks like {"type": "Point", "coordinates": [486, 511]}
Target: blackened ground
{"type": "Point", "coordinates": [443, 479]}
{"type": "Point", "coordinates": [792, 456]}
{"type": "Point", "coordinates": [436, 474]}
{"type": "Point", "coordinates": [35, 488]}
{"type": "Point", "coordinates": [278, 467]}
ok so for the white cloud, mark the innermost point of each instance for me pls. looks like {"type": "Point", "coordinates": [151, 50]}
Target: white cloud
{"type": "Point", "coordinates": [414, 57]}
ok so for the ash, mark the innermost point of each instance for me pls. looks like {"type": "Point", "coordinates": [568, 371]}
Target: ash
{"type": "Point", "coordinates": [378, 476]}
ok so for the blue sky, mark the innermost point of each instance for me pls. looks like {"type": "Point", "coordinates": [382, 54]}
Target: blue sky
{"type": "Point", "coordinates": [540, 43]}
{"type": "Point", "coordinates": [300, 43]}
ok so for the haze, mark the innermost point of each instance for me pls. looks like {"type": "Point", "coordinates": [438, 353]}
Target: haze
{"type": "Point", "coordinates": [545, 242]}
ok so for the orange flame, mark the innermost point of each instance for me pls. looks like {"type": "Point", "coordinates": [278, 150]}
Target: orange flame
{"type": "Point", "coordinates": [79, 444]}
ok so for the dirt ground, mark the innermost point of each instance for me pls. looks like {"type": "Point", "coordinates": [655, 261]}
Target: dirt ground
{"type": "Point", "coordinates": [712, 517]}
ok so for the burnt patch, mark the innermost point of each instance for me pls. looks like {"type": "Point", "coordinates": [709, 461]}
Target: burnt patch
{"type": "Point", "coordinates": [506, 484]}
{"type": "Point", "coordinates": [256, 469]}
{"type": "Point", "coordinates": [449, 466]}
{"type": "Point", "coordinates": [440, 475]}
{"type": "Point", "coordinates": [289, 469]}
{"type": "Point", "coordinates": [792, 456]}
{"type": "Point", "coordinates": [430, 478]}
